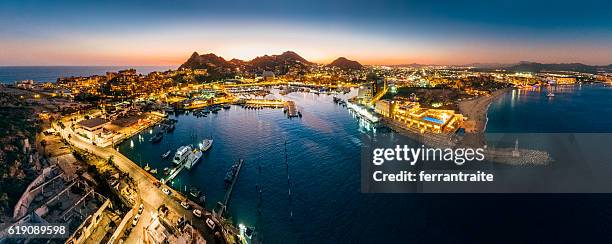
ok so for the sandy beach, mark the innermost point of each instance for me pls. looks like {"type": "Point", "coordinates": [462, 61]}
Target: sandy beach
{"type": "Point", "coordinates": [476, 112]}
{"type": "Point", "coordinates": [476, 109]}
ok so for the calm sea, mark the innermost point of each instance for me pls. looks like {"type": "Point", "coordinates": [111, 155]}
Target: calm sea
{"type": "Point", "coordinates": [10, 74]}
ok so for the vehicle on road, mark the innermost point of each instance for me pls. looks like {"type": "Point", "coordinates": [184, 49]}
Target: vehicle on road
{"type": "Point", "coordinates": [140, 208]}
{"type": "Point", "coordinates": [185, 205]}
{"type": "Point", "coordinates": [210, 223]}
{"type": "Point", "coordinates": [197, 213]}
{"type": "Point", "coordinates": [166, 191]}
{"type": "Point", "coordinates": [135, 221]}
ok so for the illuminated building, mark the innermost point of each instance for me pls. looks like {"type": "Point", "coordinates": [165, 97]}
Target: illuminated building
{"type": "Point", "coordinates": [565, 80]}
{"type": "Point", "coordinates": [384, 107]}
{"type": "Point", "coordinates": [434, 120]}
{"type": "Point", "coordinates": [91, 129]}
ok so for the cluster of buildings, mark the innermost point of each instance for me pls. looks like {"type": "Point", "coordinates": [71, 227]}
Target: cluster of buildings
{"type": "Point", "coordinates": [413, 116]}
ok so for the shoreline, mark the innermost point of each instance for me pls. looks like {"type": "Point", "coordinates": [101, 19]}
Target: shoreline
{"type": "Point", "coordinates": [476, 109]}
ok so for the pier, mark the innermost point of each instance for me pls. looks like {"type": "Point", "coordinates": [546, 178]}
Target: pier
{"type": "Point", "coordinates": [228, 193]}
{"type": "Point", "coordinates": [173, 173]}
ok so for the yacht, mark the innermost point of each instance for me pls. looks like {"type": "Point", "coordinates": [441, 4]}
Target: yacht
{"type": "Point", "coordinates": [165, 155]}
{"type": "Point", "coordinates": [157, 138]}
{"type": "Point", "coordinates": [193, 158]}
{"type": "Point", "coordinates": [181, 154]}
{"type": "Point", "coordinates": [205, 145]}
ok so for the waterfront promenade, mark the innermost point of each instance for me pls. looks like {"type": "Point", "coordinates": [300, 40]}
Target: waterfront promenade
{"type": "Point", "coordinates": [151, 195]}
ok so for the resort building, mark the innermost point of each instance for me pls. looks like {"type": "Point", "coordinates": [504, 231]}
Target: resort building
{"type": "Point", "coordinates": [92, 130]}
{"type": "Point", "coordinates": [423, 119]}
{"type": "Point", "coordinates": [564, 80]}
{"type": "Point", "coordinates": [384, 107]}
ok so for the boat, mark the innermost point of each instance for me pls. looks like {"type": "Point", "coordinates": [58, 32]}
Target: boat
{"type": "Point", "coordinates": [299, 114]}
{"type": "Point", "coordinates": [170, 128]}
{"type": "Point", "coordinates": [550, 94]}
{"type": "Point", "coordinates": [147, 168]}
{"type": "Point", "coordinates": [193, 158]}
{"type": "Point", "coordinates": [194, 192]}
{"type": "Point", "coordinates": [231, 173]}
{"type": "Point", "coordinates": [205, 145]}
{"type": "Point", "coordinates": [166, 154]}
{"type": "Point", "coordinates": [226, 106]}
{"type": "Point", "coordinates": [166, 171]}
{"type": "Point", "coordinates": [157, 138]}
{"type": "Point", "coordinates": [153, 171]}
{"type": "Point", "coordinates": [181, 154]}
{"type": "Point", "coordinates": [202, 200]}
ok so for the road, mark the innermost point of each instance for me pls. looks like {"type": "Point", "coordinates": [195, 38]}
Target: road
{"type": "Point", "coordinates": [152, 196]}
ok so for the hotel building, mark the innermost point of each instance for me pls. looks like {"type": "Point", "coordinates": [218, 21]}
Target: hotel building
{"type": "Point", "coordinates": [413, 116]}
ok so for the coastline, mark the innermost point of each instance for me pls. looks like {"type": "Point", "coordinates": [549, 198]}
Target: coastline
{"type": "Point", "coordinates": [476, 109]}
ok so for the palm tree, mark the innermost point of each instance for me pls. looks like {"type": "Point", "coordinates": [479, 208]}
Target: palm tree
{"type": "Point", "coordinates": [43, 143]}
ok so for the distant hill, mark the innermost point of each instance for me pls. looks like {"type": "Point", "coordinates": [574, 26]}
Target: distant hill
{"type": "Point", "coordinates": [539, 67]}
{"type": "Point", "coordinates": [207, 61]}
{"type": "Point", "coordinates": [279, 64]}
{"type": "Point", "coordinates": [344, 63]}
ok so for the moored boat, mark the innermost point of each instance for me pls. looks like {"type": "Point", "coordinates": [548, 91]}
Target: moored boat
{"type": "Point", "coordinates": [157, 138]}
{"type": "Point", "coordinates": [166, 154]}
{"type": "Point", "coordinates": [181, 154]}
{"type": "Point", "coordinates": [205, 145]}
{"type": "Point", "coordinates": [193, 158]}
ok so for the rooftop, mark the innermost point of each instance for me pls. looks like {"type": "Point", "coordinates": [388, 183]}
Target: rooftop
{"type": "Point", "coordinates": [92, 123]}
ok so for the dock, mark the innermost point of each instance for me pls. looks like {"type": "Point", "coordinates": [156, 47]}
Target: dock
{"type": "Point", "coordinates": [291, 110]}
{"type": "Point", "coordinates": [173, 173]}
{"type": "Point", "coordinates": [228, 193]}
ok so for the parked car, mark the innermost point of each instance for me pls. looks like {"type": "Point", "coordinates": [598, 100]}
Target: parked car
{"type": "Point", "coordinates": [166, 191]}
{"type": "Point", "coordinates": [185, 205]}
{"type": "Point", "coordinates": [140, 208]}
{"type": "Point", "coordinates": [197, 213]}
{"type": "Point", "coordinates": [211, 224]}
{"type": "Point", "coordinates": [135, 221]}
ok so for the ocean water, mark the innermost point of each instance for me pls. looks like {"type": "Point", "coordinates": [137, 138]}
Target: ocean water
{"type": "Point", "coordinates": [585, 108]}
{"type": "Point", "coordinates": [10, 74]}
{"type": "Point", "coordinates": [323, 154]}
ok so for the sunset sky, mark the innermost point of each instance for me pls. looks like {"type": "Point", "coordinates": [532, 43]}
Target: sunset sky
{"type": "Point", "coordinates": [372, 32]}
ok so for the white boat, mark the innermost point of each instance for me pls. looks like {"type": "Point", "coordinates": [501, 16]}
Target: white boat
{"type": "Point", "coordinates": [550, 94]}
{"type": "Point", "coordinates": [147, 168]}
{"type": "Point", "coordinates": [165, 155]}
{"type": "Point", "coordinates": [205, 145]}
{"type": "Point", "coordinates": [181, 154]}
{"type": "Point", "coordinates": [193, 158]}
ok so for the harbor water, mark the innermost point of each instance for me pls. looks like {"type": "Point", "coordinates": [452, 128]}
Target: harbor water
{"type": "Point", "coordinates": [323, 176]}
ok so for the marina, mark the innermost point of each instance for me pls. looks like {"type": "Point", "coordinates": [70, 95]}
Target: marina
{"type": "Point", "coordinates": [264, 182]}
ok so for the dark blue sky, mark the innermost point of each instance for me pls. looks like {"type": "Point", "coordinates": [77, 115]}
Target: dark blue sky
{"type": "Point", "coordinates": [165, 32]}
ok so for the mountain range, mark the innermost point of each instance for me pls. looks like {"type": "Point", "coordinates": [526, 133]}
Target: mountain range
{"type": "Point", "coordinates": [525, 66]}
{"type": "Point", "coordinates": [288, 61]}
{"type": "Point", "coordinates": [279, 64]}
